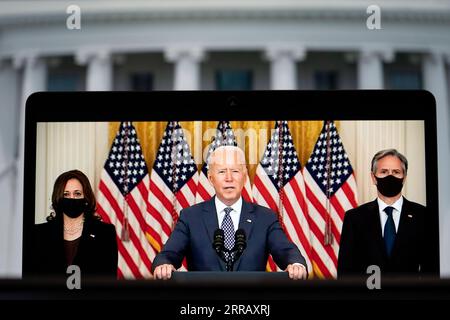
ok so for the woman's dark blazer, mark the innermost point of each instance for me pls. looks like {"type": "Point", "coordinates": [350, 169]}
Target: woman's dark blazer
{"type": "Point", "coordinates": [96, 254]}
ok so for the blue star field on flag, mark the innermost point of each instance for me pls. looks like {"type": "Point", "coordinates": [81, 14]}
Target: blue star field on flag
{"type": "Point", "coordinates": [329, 164]}
{"type": "Point", "coordinates": [224, 137]}
{"type": "Point", "coordinates": [174, 162]}
{"type": "Point", "coordinates": [125, 164]}
{"type": "Point", "coordinates": [281, 147]}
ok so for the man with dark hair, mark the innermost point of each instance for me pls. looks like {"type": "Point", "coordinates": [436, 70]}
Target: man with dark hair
{"type": "Point", "coordinates": [388, 232]}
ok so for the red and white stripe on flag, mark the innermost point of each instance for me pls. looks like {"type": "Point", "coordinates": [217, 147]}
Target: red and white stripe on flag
{"type": "Point", "coordinates": [173, 184]}
{"type": "Point", "coordinates": [123, 201]}
{"type": "Point", "coordinates": [279, 185]}
{"type": "Point", "coordinates": [224, 137]}
{"type": "Point", "coordinates": [331, 191]}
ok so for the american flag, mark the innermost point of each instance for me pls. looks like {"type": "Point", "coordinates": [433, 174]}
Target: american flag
{"type": "Point", "coordinates": [279, 185]}
{"type": "Point", "coordinates": [123, 201]}
{"type": "Point", "coordinates": [331, 191]}
{"type": "Point", "coordinates": [224, 137]}
{"type": "Point", "coordinates": [173, 184]}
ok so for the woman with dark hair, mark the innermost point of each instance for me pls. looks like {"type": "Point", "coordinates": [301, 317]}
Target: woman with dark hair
{"type": "Point", "coordinates": [73, 233]}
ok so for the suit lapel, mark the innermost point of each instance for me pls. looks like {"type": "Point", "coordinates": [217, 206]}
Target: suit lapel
{"type": "Point", "coordinates": [209, 214]}
{"type": "Point", "coordinates": [210, 218]}
{"type": "Point", "coordinates": [246, 222]}
{"type": "Point", "coordinates": [57, 242]}
{"type": "Point", "coordinates": [375, 229]}
{"type": "Point", "coordinates": [404, 226]}
{"type": "Point", "coordinates": [86, 236]}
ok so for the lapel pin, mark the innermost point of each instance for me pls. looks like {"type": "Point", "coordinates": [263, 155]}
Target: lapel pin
{"type": "Point", "coordinates": [248, 220]}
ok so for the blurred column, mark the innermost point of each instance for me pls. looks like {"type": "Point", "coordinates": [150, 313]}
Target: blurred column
{"type": "Point", "coordinates": [8, 147]}
{"type": "Point", "coordinates": [34, 79]}
{"type": "Point", "coordinates": [434, 76]}
{"type": "Point", "coordinates": [283, 74]}
{"type": "Point", "coordinates": [435, 81]}
{"type": "Point", "coordinates": [98, 68]}
{"type": "Point", "coordinates": [187, 67]}
{"type": "Point", "coordinates": [9, 109]}
{"type": "Point", "coordinates": [370, 67]}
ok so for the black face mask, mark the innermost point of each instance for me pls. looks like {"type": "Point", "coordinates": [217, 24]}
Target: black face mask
{"type": "Point", "coordinates": [72, 207]}
{"type": "Point", "coordinates": [389, 186]}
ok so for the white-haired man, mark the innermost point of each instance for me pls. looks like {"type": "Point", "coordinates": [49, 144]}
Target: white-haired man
{"type": "Point", "coordinates": [194, 232]}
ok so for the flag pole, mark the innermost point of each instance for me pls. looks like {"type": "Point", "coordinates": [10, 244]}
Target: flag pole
{"type": "Point", "coordinates": [125, 234]}
{"type": "Point", "coordinates": [328, 235]}
{"type": "Point", "coordinates": [174, 174]}
{"type": "Point", "coordinates": [280, 175]}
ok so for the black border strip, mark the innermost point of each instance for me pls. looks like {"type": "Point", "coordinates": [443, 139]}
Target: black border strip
{"type": "Point", "coordinates": [227, 105]}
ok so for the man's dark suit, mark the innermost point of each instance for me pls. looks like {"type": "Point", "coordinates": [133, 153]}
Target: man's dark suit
{"type": "Point", "coordinates": [194, 232]}
{"type": "Point", "coordinates": [362, 243]}
{"type": "Point", "coordinates": [96, 254]}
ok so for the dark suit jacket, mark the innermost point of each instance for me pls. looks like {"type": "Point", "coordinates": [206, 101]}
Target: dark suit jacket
{"type": "Point", "coordinates": [362, 243]}
{"type": "Point", "coordinates": [96, 254]}
{"type": "Point", "coordinates": [193, 236]}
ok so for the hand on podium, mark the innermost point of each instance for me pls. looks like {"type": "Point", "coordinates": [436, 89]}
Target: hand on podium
{"type": "Point", "coordinates": [297, 271]}
{"type": "Point", "coordinates": [215, 220]}
{"type": "Point", "coordinates": [163, 271]}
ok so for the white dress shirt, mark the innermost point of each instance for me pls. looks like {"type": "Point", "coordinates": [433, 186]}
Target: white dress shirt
{"type": "Point", "coordinates": [397, 205]}
{"type": "Point", "coordinates": [235, 214]}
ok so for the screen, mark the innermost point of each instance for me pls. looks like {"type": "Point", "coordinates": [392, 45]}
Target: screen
{"type": "Point", "coordinates": [308, 157]}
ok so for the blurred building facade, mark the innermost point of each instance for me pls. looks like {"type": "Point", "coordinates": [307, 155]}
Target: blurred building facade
{"type": "Point", "coordinates": [214, 45]}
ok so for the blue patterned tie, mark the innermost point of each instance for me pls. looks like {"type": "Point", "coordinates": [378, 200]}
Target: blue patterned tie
{"type": "Point", "coordinates": [389, 231]}
{"type": "Point", "coordinates": [228, 229]}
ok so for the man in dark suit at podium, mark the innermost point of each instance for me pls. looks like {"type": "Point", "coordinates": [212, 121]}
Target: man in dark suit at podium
{"type": "Point", "coordinates": [197, 226]}
{"type": "Point", "coordinates": [387, 232]}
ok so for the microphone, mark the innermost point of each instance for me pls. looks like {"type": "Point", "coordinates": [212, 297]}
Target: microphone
{"type": "Point", "coordinates": [219, 241]}
{"type": "Point", "coordinates": [240, 242]}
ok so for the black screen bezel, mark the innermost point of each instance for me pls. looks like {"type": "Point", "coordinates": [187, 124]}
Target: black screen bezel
{"type": "Point", "coordinates": [240, 105]}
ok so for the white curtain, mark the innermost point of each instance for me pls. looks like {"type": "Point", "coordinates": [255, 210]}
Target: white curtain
{"type": "Point", "coordinates": [66, 146]}
{"type": "Point", "coordinates": [362, 139]}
